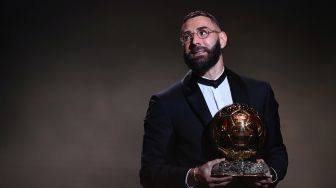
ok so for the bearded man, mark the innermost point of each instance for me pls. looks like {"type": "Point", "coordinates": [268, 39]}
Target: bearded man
{"type": "Point", "coordinates": [177, 117]}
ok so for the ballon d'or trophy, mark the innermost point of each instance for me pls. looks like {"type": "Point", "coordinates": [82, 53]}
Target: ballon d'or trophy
{"type": "Point", "coordinates": [237, 134]}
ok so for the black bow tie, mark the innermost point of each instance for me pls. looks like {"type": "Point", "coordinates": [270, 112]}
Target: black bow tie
{"type": "Point", "coordinates": [213, 83]}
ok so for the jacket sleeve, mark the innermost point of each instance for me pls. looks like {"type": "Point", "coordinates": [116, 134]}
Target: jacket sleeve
{"type": "Point", "coordinates": [275, 150]}
{"type": "Point", "coordinates": [157, 166]}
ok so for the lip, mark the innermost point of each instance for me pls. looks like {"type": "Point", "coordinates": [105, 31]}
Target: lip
{"type": "Point", "coordinates": [199, 53]}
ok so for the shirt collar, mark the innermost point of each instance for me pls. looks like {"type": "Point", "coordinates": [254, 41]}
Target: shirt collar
{"type": "Point", "coordinates": [214, 83]}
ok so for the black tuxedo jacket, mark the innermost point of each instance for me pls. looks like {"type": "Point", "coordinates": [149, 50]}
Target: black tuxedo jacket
{"type": "Point", "coordinates": [177, 118]}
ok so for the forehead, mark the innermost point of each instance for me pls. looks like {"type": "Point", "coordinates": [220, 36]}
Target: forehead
{"type": "Point", "coordinates": [196, 22]}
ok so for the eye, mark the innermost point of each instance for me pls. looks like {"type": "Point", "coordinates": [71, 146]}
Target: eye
{"type": "Point", "coordinates": [186, 36]}
{"type": "Point", "coordinates": [202, 33]}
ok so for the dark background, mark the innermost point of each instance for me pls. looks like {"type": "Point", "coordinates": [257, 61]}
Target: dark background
{"type": "Point", "coordinates": [76, 77]}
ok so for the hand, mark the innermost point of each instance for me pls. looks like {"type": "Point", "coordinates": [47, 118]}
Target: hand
{"type": "Point", "coordinates": [203, 175]}
{"type": "Point", "coordinates": [263, 181]}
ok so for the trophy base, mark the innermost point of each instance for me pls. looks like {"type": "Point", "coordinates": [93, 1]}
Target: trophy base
{"type": "Point", "coordinates": [240, 168]}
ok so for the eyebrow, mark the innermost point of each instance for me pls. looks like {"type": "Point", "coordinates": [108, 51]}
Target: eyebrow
{"type": "Point", "coordinates": [202, 27]}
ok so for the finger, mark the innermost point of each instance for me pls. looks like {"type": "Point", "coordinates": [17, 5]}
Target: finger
{"type": "Point", "coordinates": [265, 181]}
{"type": "Point", "coordinates": [269, 175]}
{"type": "Point", "coordinates": [219, 180]}
{"type": "Point", "coordinates": [218, 184]}
{"type": "Point", "coordinates": [210, 164]}
{"type": "Point", "coordinates": [213, 162]}
{"type": "Point", "coordinates": [260, 160]}
{"type": "Point", "coordinates": [260, 184]}
{"type": "Point", "coordinates": [220, 160]}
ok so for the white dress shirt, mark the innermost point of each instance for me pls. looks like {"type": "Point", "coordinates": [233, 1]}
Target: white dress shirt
{"type": "Point", "coordinates": [216, 98]}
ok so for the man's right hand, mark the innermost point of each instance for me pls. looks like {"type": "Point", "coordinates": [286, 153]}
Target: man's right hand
{"type": "Point", "coordinates": [202, 175]}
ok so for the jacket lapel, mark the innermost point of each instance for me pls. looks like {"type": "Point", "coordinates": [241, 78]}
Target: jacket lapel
{"type": "Point", "coordinates": [195, 98]}
{"type": "Point", "coordinates": [237, 87]}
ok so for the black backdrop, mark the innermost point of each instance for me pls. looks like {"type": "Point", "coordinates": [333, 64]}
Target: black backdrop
{"type": "Point", "coordinates": [76, 77]}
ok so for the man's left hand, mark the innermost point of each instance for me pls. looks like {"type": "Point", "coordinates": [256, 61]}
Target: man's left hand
{"type": "Point", "coordinates": [263, 181]}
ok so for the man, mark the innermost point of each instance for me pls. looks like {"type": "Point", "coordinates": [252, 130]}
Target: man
{"type": "Point", "coordinates": [177, 117]}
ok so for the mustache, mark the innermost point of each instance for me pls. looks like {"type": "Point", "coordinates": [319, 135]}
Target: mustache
{"type": "Point", "coordinates": [196, 49]}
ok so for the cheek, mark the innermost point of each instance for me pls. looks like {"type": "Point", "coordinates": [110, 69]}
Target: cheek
{"type": "Point", "coordinates": [210, 43]}
{"type": "Point", "coordinates": [186, 48]}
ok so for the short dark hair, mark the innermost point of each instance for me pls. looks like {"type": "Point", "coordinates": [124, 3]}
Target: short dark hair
{"type": "Point", "coordinates": [196, 13]}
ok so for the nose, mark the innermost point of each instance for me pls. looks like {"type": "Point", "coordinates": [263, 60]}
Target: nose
{"type": "Point", "coordinates": [195, 40]}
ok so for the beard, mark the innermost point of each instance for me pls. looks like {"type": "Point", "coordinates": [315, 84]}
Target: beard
{"type": "Point", "coordinates": [202, 64]}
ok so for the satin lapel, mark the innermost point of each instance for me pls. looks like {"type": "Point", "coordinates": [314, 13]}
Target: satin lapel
{"type": "Point", "coordinates": [237, 87]}
{"type": "Point", "coordinates": [195, 99]}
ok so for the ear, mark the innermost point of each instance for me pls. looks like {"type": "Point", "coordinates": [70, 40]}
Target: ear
{"type": "Point", "coordinates": [222, 39]}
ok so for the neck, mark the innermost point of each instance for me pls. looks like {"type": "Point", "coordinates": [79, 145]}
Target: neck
{"type": "Point", "coordinates": [214, 72]}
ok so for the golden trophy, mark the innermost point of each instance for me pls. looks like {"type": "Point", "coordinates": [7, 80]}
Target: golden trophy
{"type": "Point", "coordinates": [237, 134]}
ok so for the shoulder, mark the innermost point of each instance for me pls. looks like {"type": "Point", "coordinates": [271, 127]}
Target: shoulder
{"type": "Point", "coordinates": [169, 95]}
{"type": "Point", "coordinates": [254, 84]}
{"type": "Point", "coordinates": [171, 90]}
